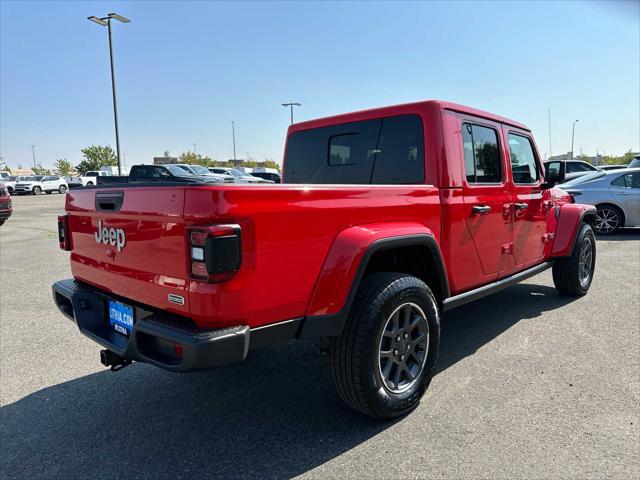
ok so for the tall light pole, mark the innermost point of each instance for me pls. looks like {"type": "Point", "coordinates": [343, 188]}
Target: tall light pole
{"type": "Point", "coordinates": [291, 105]}
{"type": "Point", "coordinates": [233, 134]}
{"type": "Point", "coordinates": [194, 148]}
{"type": "Point", "coordinates": [33, 153]}
{"type": "Point", "coordinates": [573, 132]}
{"type": "Point", "coordinates": [106, 22]}
{"type": "Point", "coordinates": [550, 152]}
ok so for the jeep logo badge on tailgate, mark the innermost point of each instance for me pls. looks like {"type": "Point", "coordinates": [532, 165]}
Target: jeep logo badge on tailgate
{"type": "Point", "coordinates": [112, 236]}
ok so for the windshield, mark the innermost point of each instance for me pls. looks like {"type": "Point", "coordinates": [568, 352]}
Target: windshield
{"type": "Point", "coordinates": [200, 170]}
{"type": "Point", "coordinates": [236, 173]}
{"type": "Point", "coordinates": [177, 171]}
{"type": "Point", "coordinates": [584, 179]}
{"type": "Point", "coordinates": [635, 163]}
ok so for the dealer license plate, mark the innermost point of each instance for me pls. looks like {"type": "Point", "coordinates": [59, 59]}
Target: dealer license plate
{"type": "Point", "coordinates": [121, 317]}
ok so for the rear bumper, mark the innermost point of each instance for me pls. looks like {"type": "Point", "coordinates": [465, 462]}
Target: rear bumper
{"type": "Point", "coordinates": [154, 336]}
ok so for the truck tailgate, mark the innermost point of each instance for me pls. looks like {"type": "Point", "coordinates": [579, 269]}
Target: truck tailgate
{"type": "Point", "coordinates": [131, 242]}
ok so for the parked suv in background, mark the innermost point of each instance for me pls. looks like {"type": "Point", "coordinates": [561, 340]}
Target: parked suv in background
{"type": "Point", "coordinates": [238, 176]}
{"type": "Point", "coordinates": [73, 182]}
{"type": "Point", "coordinates": [10, 183]}
{"type": "Point", "coordinates": [5, 203]}
{"type": "Point", "coordinates": [41, 183]}
{"type": "Point", "coordinates": [201, 171]}
{"type": "Point", "coordinates": [91, 177]}
{"type": "Point", "coordinates": [575, 168]}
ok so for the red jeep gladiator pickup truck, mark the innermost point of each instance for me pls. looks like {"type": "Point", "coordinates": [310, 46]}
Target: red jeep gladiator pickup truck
{"type": "Point", "coordinates": [386, 218]}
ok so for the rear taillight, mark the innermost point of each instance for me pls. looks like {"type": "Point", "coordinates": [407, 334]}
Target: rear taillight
{"type": "Point", "coordinates": [215, 252]}
{"type": "Point", "coordinates": [63, 232]}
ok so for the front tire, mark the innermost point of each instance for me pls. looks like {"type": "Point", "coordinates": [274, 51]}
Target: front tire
{"type": "Point", "coordinates": [36, 191]}
{"type": "Point", "coordinates": [384, 360]}
{"type": "Point", "coordinates": [573, 275]}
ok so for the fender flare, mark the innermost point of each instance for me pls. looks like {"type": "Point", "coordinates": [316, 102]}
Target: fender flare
{"type": "Point", "coordinates": [327, 313]}
{"type": "Point", "coordinates": [570, 216]}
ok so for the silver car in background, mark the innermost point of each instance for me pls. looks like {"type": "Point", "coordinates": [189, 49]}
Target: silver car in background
{"type": "Point", "coordinates": [615, 194]}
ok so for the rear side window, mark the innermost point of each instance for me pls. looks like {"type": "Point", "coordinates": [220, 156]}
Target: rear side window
{"type": "Point", "coordinates": [379, 151]}
{"type": "Point", "coordinates": [628, 180]}
{"type": "Point", "coordinates": [524, 168]}
{"type": "Point", "coordinates": [481, 154]}
{"type": "Point", "coordinates": [400, 153]}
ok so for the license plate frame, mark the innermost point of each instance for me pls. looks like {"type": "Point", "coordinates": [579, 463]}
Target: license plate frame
{"type": "Point", "coordinates": [121, 317]}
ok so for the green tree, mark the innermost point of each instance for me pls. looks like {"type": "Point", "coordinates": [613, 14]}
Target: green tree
{"type": "Point", "coordinates": [192, 158]}
{"type": "Point", "coordinates": [269, 163]}
{"type": "Point", "coordinates": [40, 170]}
{"type": "Point", "coordinates": [3, 166]}
{"type": "Point", "coordinates": [63, 166]}
{"type": "Point", "coordinates": [95, 157]}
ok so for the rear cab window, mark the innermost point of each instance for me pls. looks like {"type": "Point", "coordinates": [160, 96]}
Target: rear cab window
{"type": "Point", "coordinates": [382, 151]}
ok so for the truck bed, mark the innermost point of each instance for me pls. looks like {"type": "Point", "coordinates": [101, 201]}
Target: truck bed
{"type": "Point", "coordinates": [287, 231]}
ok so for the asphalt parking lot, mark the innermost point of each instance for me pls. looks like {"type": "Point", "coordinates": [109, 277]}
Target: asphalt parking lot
{"type": "Point", "coordinates": [530, 385]}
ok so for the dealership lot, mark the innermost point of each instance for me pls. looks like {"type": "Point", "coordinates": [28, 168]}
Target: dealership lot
{"type": "Point", "coordinates": [530, 385]}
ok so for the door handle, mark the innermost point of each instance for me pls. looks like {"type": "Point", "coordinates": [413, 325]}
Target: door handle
{"type": "Point", "coordinates": [480, 209]}
{"type": "Point", "coordinates": [520, 206]}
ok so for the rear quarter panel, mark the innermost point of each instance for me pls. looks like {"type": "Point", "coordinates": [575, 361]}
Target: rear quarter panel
{"type": "Point", "coordinates": [287, 232]}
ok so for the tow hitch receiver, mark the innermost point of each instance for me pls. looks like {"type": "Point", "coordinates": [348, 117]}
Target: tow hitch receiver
{"type": "Point", "coordinates": [113, 360]}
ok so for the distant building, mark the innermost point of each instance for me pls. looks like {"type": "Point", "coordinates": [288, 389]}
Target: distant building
{"type": "Point", "coordinates": [21, 172]}
{"type": "Point", "coordinates": [164, 160]}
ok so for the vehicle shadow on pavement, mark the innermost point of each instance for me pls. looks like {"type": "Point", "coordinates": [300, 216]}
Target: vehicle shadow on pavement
{"type": "Point", "coordinates": [274, 416]}
{"type": "Point", "coordinates": [465, 329]}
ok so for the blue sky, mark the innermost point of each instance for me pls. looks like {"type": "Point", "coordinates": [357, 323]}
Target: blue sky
{"type": "Point", "coordinates": [184, 70]}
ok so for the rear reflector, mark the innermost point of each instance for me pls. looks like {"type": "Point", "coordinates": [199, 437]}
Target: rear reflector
{"type": "Point", "coordinates": [63, 232]}
{"type": "Point", "coordinates": [199, 269]}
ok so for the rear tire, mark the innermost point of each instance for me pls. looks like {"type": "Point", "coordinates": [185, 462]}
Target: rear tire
{"type": "Point", "coordinates": [36, 191]}
{"type": "Point", "coordinates": [62, 189]}
{"type": "Point", "coordinates": [384, 360]}
{"type": "Point", "coordinates": [89, 184]}
{"type": "Point", "coordinates": [609, 219]}
{"type": "Point", "coordinates": [2, 220]}
{"type": "Point", "coordinates": [573, 275]}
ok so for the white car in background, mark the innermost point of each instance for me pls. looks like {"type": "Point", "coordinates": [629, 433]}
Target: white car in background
{"type": "Point", "coordinates": [37, 184]}
{"type": "Point", "coordinates": [91, 177]}
{"type": "Point", "coordinates": [238, 176]}
{"type": "Point", "coordinates": [10, 183]}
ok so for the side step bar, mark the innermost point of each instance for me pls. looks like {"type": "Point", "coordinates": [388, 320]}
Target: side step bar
{"type": "Point", "coordinates": [471, 295]}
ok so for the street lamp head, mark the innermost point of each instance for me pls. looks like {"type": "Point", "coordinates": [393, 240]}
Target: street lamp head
{"type": "Point", "coordinates": [97, 20]}
{"type": "Point", "coordinates": [120, 18]}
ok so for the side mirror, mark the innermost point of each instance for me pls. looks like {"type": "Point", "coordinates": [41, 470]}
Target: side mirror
{"type": "Point", "coordinates": [554, 173]}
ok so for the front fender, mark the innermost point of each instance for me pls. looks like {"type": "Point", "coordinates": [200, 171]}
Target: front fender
{"type": "Point", "coordinates": [570, 217]}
